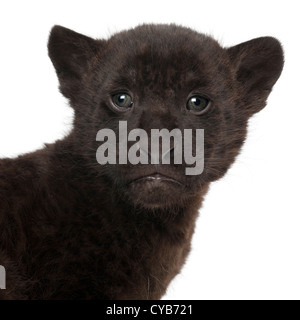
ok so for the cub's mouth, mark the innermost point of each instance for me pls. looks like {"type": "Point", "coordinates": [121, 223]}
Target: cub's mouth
{"type": "Point", "coordinates": [155, 179]}
{"type": "Point", "coordinates": [154, 190]}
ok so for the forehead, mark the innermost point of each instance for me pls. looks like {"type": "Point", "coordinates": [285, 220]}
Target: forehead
{"type": "Point", "coordinates": [164, 57]}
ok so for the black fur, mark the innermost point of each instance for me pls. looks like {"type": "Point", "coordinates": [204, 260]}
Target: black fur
{"type": "Point", "coordinates": [73, 229]}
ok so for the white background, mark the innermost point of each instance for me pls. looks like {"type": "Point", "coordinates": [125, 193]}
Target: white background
{"type": "Point", "coordinates": [246, 244]}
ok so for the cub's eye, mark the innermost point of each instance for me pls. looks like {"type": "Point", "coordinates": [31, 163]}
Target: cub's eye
{"type": "Point", "coordinates": [122, 100]}
{"type": "Point", "coordinates": [197, 104]}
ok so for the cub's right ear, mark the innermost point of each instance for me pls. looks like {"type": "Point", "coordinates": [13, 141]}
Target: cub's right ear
{"type": "Point", "coordinates": [70, 53]}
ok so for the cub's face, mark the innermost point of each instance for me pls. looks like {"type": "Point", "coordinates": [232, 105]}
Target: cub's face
{"type": "Point", "coordinates": [162, 77]}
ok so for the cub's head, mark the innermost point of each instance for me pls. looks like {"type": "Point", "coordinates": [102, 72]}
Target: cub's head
{"type": "Point", "coordinates": [143, 83]}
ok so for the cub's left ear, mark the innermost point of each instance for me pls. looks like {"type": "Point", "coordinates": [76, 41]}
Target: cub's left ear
{"type": "Point", "coordinates": [258, 64]}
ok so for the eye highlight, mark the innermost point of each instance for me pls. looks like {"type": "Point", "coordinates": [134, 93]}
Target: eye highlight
{"type": "Point", "coordinates": [122, 100]}
{"type": "Point", "coordinates": [197, 104]}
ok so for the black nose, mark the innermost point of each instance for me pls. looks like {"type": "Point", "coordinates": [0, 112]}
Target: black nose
{"type": "Point", "coordinates": [160, 157]}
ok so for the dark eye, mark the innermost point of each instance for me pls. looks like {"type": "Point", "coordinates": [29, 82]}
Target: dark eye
{"type": "Point", "coordinates": [122, 100]}
{"type": "Point", "coordinates": [197, 104]}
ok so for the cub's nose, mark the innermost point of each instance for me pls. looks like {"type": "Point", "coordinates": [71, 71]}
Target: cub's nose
{"type": "Point", "coordinates": [157, 156]}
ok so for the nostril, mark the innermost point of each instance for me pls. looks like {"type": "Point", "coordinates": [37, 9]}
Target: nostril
{"type": "Point", "coordinates": [143, 151]}
{"type": "Point", "coordinates": [168, 155]}
{"type": "Point", "coordinates": [145, 154]}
